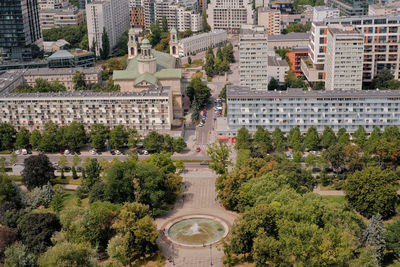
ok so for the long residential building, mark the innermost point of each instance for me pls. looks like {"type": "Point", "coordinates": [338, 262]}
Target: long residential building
{"type": "Point", "coordinates": [381, 45]}
{"type": "Point", "coordinates": [229, 15]}
{"type": "Point", "coordinates": [109, 15]}
{"type": "Point", "coordinates": [144, 111]}
{"type": "Point", "coordinates": [201, 42]}
{"type": "Point", "coordinates": [295, 107]}
{"type": "Point", "coordinates": [56, 18]}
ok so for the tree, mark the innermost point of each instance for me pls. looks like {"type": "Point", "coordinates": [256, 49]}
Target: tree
{"type": "Point", "coordinates": [38, 171]}
{"type": "Point", "coordinates": [328, 137]}
{"type": "Point", "coordinates": [352, 158]}
{"type": "Point", "coordinates": [343, 137]}
{"type": "Point", "coordinates": [318, 86]}
{"type": "Point", "coordinates": [155, 36]}
{"type": "Point", "coordinates": [164, 24]}
{"type": "Point", "coordinates": [62, 162]}
{"type": "Point", "coordinates": [74, 174]}
{"type": "Point", "coordinates": [335, 155]}
{"type": "Point", "coordinates": [310, 160]}
{"type": "Point", "coordinates": [7, 237]}
{"type": "Point", "coordinates": [371, 191]}
{"type": "Point", "coordinates": [72, 34]}
{"type": "Point", "coordinates": [209, 65]}
{"type": "Point", "coordinates": [373, 141]}
{"type": "Point", "coordinates": [189, 60]}
{"type": "Point", "coordinates": [75, 136]}
{"type": "Point", "coordinates": [98, 135]}
{"type": "Point", "coordinates": [292, 81]}
{"type": "Point", "coordinates": [69, 254]}
{"type": "Point", "coordinates": [262, 143]}
{"type": "Point", "coordinates": [92, 171]}
{"type": "Point", "coordinates": [79, 81]}
{"type": "Point", "coordinates": [392, 238]}
{"type": "Point", "coordinates": [278, 140]}
{"type": "Point", "coordinates": [374, 236]}
{"type": "Point", "coordinates": [380, 78]}
{"type": "Point", "coordinates": [204, 25]}
{"type": "Point", "coordinates": [195, 110]}
{"type": "Point", "coordinates": [133, 137]}
{"type": "Point", "coordinates": [297, 156]}
{"type": "Point", "coordinates": [36, 230]}
{"type": "Point", "coordinates": [227, 51]}
{"type": "Point", "coordinates": [179, 165]}
{"type": "Point", "coordinates": [35, 138]}
{"type": "Point", "coordinates": [153, 142]}
{"type": "Point", "coordinates": [273, 84]}
{"type": "Point", "coordinates": [219, 154]}
{"type": "Point", "coordinates": [105, 49]}
{"type": "Point", "coordinates": [7, 189]}
{"type": "Point", "coordinates": [48, 141]}
{"type": "Point", "coordinates": [13, 158]}
{"type": "Point", "coordinates": [57, 202]}
{"type": "Point", "coordinates": [360, 137]}
{"type": "Point", "coordinates": [163, 162]}
{"type": "Point", "coordinates": [118, 137]}
{"type": "Point", "coordinates": [220, 55]}
{"type": "Point", "coordinates": [22, 138]}
{"type": "Point", "coordinates": [41, 196]}
{"type": "Point", "coordinates": [7, 133]}
{"type": "Point", "coordinates": [199, 90]}
{"type": "Point", "coordinates": [179, 144]}
{"type": "Point", "coordinates": [17, 255]}
{"type": "Point", "coordinates": [76, 160]}
{"type": "Point", "coordinates": [295, 139]}
{"type": "Point", "coordinates": [298, 27]}
{"type": "Point", "coordinates": [311, 139]}
{"type": "Point", "coordinates": [122, 45]}
{"type": "Point", "coordinates": [243, 139]}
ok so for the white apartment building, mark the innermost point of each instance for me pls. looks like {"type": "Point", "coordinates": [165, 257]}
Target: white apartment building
{"type": "Point", "coordinates": [270, 19]}
{"type": "Point", "coordinates": [277, 68]}
{"type": "Point", "coordinates": [201, 42]}
{"type": "Point", "coordinates": [344, 59]}
{"type": "Point", "coordinates": [111, 15]}
{"type": "Point", "coordinates": [61, 17]}
{"type": "Point", "coordinates": [381, 45]}
{"type": "Point", "coordinates": [230, 15]}
{"type": "Point", "coordinates": [379, 10]}
{"type": "Point", "coordinates": [144, 111]}
{"type": "Point", "coordinates": [322, 12]}
{"type": "Point", "coordinates": [253, 57]}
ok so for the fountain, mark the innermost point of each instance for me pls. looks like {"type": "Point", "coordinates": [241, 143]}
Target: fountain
{"type": "Point", "coordinates": [197, 231]}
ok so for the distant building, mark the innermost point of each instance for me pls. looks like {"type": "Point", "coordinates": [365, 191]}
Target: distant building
{"type": "Point", "coordinates": [270, 19]}
{"type": "Point", "coordinates": [148, 13]}
{"type": "Point", "coordinates": [72, 59]}
{"type": "Point", "coordinates": [136, 17]}
{"type": "Point", "coordinates": [290, 40]}
{"type": "Point", "coordinates": [381, 10]}
{"type": "Point", "coordinates": [229, 15]}
{"type": "Point", "coordinates": [11, 80]}
{"type": "Point", "coordinates": [295, 56]}
{"type": "Point", "coordinates": [55, 18]}
{"type": "Point", "coordinates": [201, 42]}
{"type": "Point", "coordinates": [284, 6]}
{"type": "Point", "coordinates": [20, 28]}
{"type": "Point", "coordinates": [351, 7]}
{"type": "Point", "coordinates": [54, 46]}
{"type": "Point", "coordinates": [111, 15]}
{"type": "Point", "coordinates": [277, 68]}
{"type": "Point", "coordinates": [322, 12]}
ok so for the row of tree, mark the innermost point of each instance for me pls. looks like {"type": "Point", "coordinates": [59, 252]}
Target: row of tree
{"type": "Point", "coordinates": [76, 35]}
{"type": "Point", "coordinates": [74, 137]}
{"type": "Point", "coordinates": [218, 64]}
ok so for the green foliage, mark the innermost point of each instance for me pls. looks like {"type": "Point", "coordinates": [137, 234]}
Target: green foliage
{"type": "Point", "coordinates": [222, 94]}
{"type": "Point", "coordinates": [262, 143]}
{"type": "Point", "coordinates": [17, 255]}
{"type": "Point", "coordinates": [374, 237]}
{"type": "Point", "coordinates": [36, 230]}
{"type": "Point", "coordinates": [38, 171]}
{"type": "Point", "coordinates": [7, 189]}
{"type": "Point", "coordinates": [273, 84]}
{"type": "Point", "coordinates": [294, 138]}
{"type": "Point", "coordinates": [204, 25]}
{"type": "Point", "coordinates": [72, 34]}
{"type": "Point", "coordinates": [41, 196]}
{"type": "Point", "coordinates": [7, 133]}
{"type": "Point", "coordinates": [153, 142]}
{"type": "Point", "coordinates": [163, 161]}
{"type": "Point", "coordinates": [199, 90]}
{"type": "Point", "coordinates": [42, 86]}
{"type": "Point", "coordinates": [392, 238]}
{"type": "Point", "coordinates": [292, 81]}
{"type": "Point", "coordinates": [278, 140]}
{"type": "Point", "coordinates": [297, 157]}
{"type": "Point", "coordinates": [75, 136]}
{"type": "Point", "coordinates": [105, 49]}
{"type": "Point", "coordinates": [118, 136]}
{"type": "Point", "coordinates": [79, 81]}
{"type": "Point", "coordinates": [328, 137]}
{"type": "Point", "coordinates": [155, 36]}
{"type": "Point", "coordinates": [243, 139]}
{"type": "Point", "coordinates": [335, 156]}
{"type": "Point", "coordinates": [48, 141]}
{"type": "Point", "coordinates": [311, 139]}
{"type": "Point", "coordinates": [7, 237]}
{"type": "Point", "coordinates": [209, 65]}
{"type": "Point", "coordinates": [122, 45]}
{"type": "Point", "coordinates": [242, 156]}
{"type": "Point", "coordinates": [22, 138]}
{"type": "Point", "coordinates": [57, 204]}
{"type": "Point", "coordinates": [227, 52]}
{"type": "Point", "coordinates": [297, 28]}
{"type": "Point", "coordinates": [35, 138]}
{"type": "Point", "coordinates": [384, 80]}
{"type": "Point", "coordinates": [69, 254]}
{"type": "Point", "coordinates": [219, 154]}
{"type": "Point", "coordinates": [318, 86]}
{"type": "Point", "coordinates": [372, 191]}
{"type": "Point", "coordinates": [98, 135]}
{"type": "Point", "coordinates": [343, 137]}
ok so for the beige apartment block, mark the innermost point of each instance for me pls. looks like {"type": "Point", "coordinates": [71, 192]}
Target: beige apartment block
{"type": "Point", "coordinates": [56, 18]}
{"type": "Point", "coordinates": [270, 19]}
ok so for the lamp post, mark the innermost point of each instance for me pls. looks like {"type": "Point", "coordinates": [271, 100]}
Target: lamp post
{"type": "Point", "coordinates": [211, 254]}
{"type": "Point", "coordinates": [173, 255]}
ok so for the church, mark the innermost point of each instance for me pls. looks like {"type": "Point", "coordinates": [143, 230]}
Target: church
{"type": "Point", "coordinates": [152, 68]}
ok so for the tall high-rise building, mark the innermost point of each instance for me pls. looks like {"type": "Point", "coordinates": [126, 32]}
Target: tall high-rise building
{"type": "Point", "coordinates": [253, 57]}
{"type": "Point", "coordinates": [344, 59]}
{"type": "Point", "coordinates": [19, 29]}
{"type": "Point", "coordinates": [229, 15]}
{"type": "Point", "coordinates": [148, 13]}
{"type": "Point", "coordinates": [111, 15]}
{"type": "Point", "coordinates": [270, 19]}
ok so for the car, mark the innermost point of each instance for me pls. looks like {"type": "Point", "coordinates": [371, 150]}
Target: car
{"type": "Point", "coordinates": [117, 152]}
{"type": "Point", "coordinates": [204, 163]}
{"type": "Point", "coordinates": [56, 167]}
{"type": "Point", "coordinates": [17, 152]}
{"type": "Point", "coordinates": [99, 152]}
{"type": "Point", "coordinates": [315, 169]}
{"type": "Point", "coordinates": [24, 152]}
{"type": "Point", "coordinates": [67, 168]}
{"type": "Point", "coordinates": [145, 152]}
{"type": "Point", "coordinates": [93, 152]}
{"type": "Point", "coordinates": [112, 152]}
{"type": "Point", "coordinates": [66, 152]}
{"type": "Point", "coordinates": [29, 152]}
{"type": "Point", "coordinates": [79, 168]}
{"type": "Point", "coordinates": [198, 149]}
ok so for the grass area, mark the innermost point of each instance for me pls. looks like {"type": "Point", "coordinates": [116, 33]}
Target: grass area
{"type": "Point", "coordinates": [195, 63]}
{"type": "Point", "coordinates": [15, 178]}
{"type": "Point", "coordinates": [67, 180]}
{"type": "Point", "coordinates": [70, 199]}
{"type": "Point", "coordinates": [3, 152]}
{"type": "Point", "coordinates": [336, 199]}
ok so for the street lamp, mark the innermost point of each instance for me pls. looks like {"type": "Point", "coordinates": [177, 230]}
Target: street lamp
{"type": "Point", "coordinates": [173, 255]}
{"type": "Point", "coordinates": [211, 254]}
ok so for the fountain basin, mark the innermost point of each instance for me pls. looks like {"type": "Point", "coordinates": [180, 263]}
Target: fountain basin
{"type": "Point", "coordinates": [196, 230]}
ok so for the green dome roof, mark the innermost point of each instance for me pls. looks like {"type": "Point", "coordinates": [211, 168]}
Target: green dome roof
{"type": "Point", "coordinates": [145, 42]}
{"type": "Point", "coordinates": [173, 30]}
{"type": "Point", "coordinates": [131, 30]}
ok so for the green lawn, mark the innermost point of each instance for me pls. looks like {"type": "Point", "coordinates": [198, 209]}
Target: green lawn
{"type": "Point", "coordinates": [336, 199]}
{"type": "Point", "coordinates": [70, 199]}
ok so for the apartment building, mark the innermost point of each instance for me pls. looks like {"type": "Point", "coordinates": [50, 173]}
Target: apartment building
{"type": "Point", "coordinates": [20, 28]}
{"type": "Point", "coordinates": [276, 68]}
{"type": "Point", "coordinates": [148, 13]}
{"type": "Point", "coordinates": [111, 15]}
{"type": "Point", "coordinates": [229, 15]}
{"type": "Point", "coordinates": [322, 12]}
{"type": "Point", "coordinates": [201, 42]}
{"type": "Point", "coordinates": [381, 45]}
{"type": "Point", "coordinates": [344, 59]}
{"type": "Point", "coordinates": [380, 10]}
{"type": "Point", "coordinates": [350, 7]}
{"type": "Point", "coordinates": [284, 6]}
{"type": "Point", "coordinates": [288, 41]}
{"type": "Point", "coordinates": [295, 56]}
{"type": "Point", "coordinates": [56, 18]}
{"type": "Point", "coordinates": [145, 111]}
{"type": "Point", "coordinates": [270, 19]}
{"type": "Point", "coordinates": [302, 18]}
{"type": "Point", "coordinates": [295, 107]}
{"type": "Point", "coordinates": [253, 57]}
{"type": "Point", "coordinates": [136, 17]}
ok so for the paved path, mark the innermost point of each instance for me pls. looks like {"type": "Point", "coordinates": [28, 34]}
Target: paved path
{"type": "Point", "coordinates": [199, 198]}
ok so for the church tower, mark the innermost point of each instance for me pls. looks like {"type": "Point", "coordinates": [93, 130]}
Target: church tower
{"type": "Point", "coordinates": [173, 43]}
{"type": "Point", "coordinates": [147, 63]}
{"type": "Point", "coordinates": [132, 45]}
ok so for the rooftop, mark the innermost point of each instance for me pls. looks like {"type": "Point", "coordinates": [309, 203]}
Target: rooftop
{"type": "Point", "coordinates": [277, 62]}
{"type": "Point", "coordinates": [245, 91]}
{"type": "Point", "coordinates": [293, 36]}
{"type": "Point", "coordinates": [199, 36]}
{"type": "Point", "coordinates": [324, 8]}
{"type": "Point", "coordinates": [62, 71]}
{"type": "Point", "coordinates": [8, 78]}
{"type": "Point", "coordinates": [252, 30]}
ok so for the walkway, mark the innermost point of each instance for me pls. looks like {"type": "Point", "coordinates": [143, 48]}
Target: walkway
{"type": "Point", "coordinates": [198, 198]}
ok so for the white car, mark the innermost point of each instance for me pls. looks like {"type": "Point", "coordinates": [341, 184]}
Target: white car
{"type": "Point", "coordinates": [17, 152]}
{"type": "Point", "coordinates": [66, 152]}
{"type": "Point", "coordinates": [145, 152]}
{"type": "Point", "coordinates": [117, 152]}
{"type": "Point", "coordinates": [92, 152]}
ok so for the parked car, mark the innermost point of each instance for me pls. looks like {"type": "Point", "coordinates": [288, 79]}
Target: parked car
{"type": "Point", "coordinates": [198, 149]}
{"type": "Point", "coordinates": [17, 152]}
{"type": "Point", "coordinates": [67, 168]}
{"type": "Point", "coordinates": [117, 152]}
{"type": "Point", "coordinates": [93, 152]}
{"type": "Point", "coordinates": [66, 152]}
{"type": "Point", "coordinates": [79, 168]}
{"type": "Point", "coordinates": [145, 152]}
{"type": "Point", "coordinates": [112, 152]}
{"type": "Point", "coordinates": [315, 169]}
{"type": "Point", "coordinates": [204, 163]}
{"type": "Point", "coordinates": [24, 152]}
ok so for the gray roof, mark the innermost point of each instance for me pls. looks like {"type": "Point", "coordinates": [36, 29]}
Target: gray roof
{"type": "Point", "coordinates": [62, 71]}
{"type": "Point", "coordinates": [153, 91]}
{"type": "Point", "coordinates": [245, 91]}
{"type": "Point", "coordinates": [277, 62]}
{"type": "Point", "coordinates": [324, 8]}
{"type": "Point", "coordinates": [61, 54]}
{"type": "Point", "coordinates": [199, 36]}
{"type": "Point", "coordinates": [293, 36]}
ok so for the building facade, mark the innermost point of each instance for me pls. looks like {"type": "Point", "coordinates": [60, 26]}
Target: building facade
{"type": "Point", "coordinates": [270, 19]}
{"type": "Point", "coordinates": [295, 107]}
{"type": "Point", "coordinates": [20, 28]}
{"type": "Point", "coordinates": [201, 42]}
{"type": "Point", "coordinates": [351, 7]}
{"type": "Point", "coordinates": [288, 41]}
{"type": "Point", "coordinates": [253, 57]}
{"type": "Point", "coordinates": [111, 15]}
{"type": "Point", "coordinates": [56, 18]}
{"type": "Point", "coordinates": [136, 17]}
{"type": "Point", "coordinates": [295, 56]}
{"type": "Point", "coordinates": [229, 15]}
{"type": "Point", "coordinates": [344, 59]}
{"type": "Point", "coordinates": [72, 59]}
{"type": "Point", "coordinates": [322, 12]}
{"type": "Point", "coordinates": [145, 111]}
